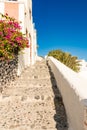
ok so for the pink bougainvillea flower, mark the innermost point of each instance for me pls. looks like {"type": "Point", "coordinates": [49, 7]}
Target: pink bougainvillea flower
{"type": "Point", "coordinates": [11, 38]}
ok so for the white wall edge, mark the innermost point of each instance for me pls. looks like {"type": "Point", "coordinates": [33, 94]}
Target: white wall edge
{"type": "Point", "coordinates": [73, 89]}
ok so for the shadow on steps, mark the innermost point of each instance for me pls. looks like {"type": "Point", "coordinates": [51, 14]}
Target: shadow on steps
{"type": "Point", "coordinates": [60, 117]}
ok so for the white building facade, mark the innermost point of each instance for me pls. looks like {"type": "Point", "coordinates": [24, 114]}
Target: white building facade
{"type": "Point", "coordinates": [21, 10]}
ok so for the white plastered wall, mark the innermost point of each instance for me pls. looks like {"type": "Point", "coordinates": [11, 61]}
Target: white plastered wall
{"type": "Point", "coordinates": [74, 93]}
{"type": "Point", "coordinates": [2, 7]}
{"type": "Point", "coordinates": [27, 23]}
{"type": "Point", "coordinates": [24, 55]}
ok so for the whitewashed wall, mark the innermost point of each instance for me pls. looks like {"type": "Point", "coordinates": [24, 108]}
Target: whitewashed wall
{"type": "Point", "coordinates": [1, 7]}
{"type": "Point", "coordinates": [26, 18]}
{"type": "Point", "coordinates": [74, 92]}
{"type": "Point", "coordinates": [34, 46]}
{"type": "Point", "coordinates": [23, 59]}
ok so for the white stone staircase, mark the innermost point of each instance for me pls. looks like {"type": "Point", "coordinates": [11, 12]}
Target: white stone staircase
{"type": "Point", "coordinates": [33, 102]}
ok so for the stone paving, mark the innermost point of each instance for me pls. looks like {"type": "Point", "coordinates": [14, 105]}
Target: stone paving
{"type": "Point", "coordinates": [33, 102]}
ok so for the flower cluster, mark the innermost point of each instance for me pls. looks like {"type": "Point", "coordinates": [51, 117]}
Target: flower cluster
{"type": "Point", "coordinates": [11, 38]}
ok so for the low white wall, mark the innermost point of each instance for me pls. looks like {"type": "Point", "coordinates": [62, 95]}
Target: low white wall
{"type": "Point", "coordinates": [23, 60]}
{"type": "Point", "coordinates": [74, 93]}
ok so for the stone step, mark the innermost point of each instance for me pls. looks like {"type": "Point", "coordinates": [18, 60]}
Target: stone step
{"type": "Point", "coordinates": [35, 75]}
{"type": "Point", "coordinates": [29, 92]}
{"type": "Point", "coordinates": [26, 128]}
{"type": "Point", "coordinates": [32, 102]}
{"type": "Point", "coordinates": [37, 68]}
{"type": "Point", "coordinates": [32, 83]}
{"type": "Point", "coordinates": [25, 99]}
{"type": "Point", "coordinates": [36, 115]}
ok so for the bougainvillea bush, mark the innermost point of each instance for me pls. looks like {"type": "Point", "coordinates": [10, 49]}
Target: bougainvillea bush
{"type": "Point", "coordinates": [11, 38]}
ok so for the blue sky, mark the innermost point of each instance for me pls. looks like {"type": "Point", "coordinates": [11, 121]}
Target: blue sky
{"type": "Point", "coordinates": [61, 24]}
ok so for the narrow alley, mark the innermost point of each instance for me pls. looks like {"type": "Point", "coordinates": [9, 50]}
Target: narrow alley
{"type": "Point", "coordinates": [33, 102]}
